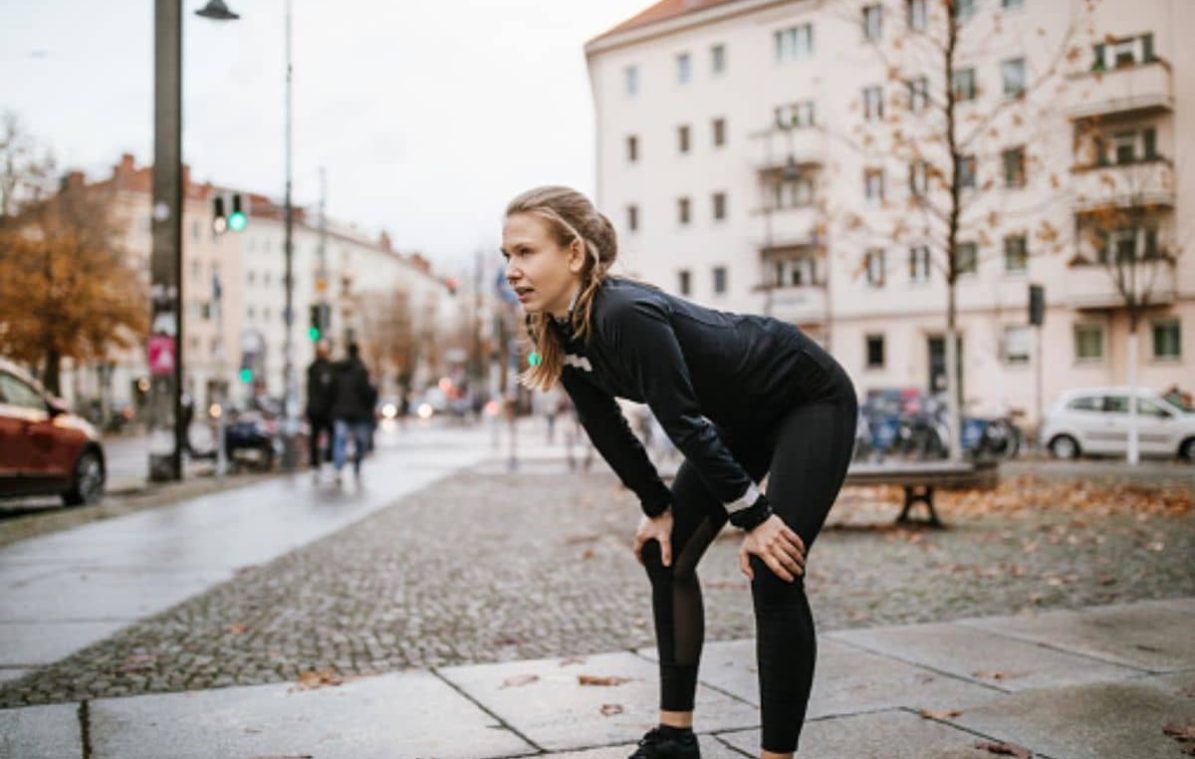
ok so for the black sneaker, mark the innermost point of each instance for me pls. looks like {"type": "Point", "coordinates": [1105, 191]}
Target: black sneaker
{"type": "Point", "coordinates": [655, 746]}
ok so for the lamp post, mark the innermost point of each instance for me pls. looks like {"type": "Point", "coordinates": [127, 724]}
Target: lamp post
{"type": "Point", "coordinates": [289, 450]}
{"type": "Point", "coordinates": [165, 347]}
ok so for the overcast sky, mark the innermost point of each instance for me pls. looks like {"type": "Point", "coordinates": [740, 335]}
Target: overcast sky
{"type": "Point", "coordinates": [428, 114]}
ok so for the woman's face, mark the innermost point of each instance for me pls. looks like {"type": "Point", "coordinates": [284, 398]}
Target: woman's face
{"type": "Point", "coordinates": [542, 273]}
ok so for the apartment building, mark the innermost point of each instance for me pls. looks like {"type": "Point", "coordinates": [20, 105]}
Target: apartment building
{"type": "Point", "coordinates": [787, 157]}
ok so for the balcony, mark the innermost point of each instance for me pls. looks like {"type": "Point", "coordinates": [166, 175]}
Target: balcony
{"type": "Point", "coordinates": [1093, 286]}
{"type": "Point", "coordinates": [790, 227]}
{"type": "Point", "coordinates": [806, 146]}
{"type": "Point", "coordinates": [797, 305]}
{"type": "Point", "coordinates": [1136, 90]}
{"type": "Point", "coordinates": [1143, 183]}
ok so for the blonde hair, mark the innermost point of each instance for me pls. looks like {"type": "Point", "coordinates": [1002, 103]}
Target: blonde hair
{"type": "Point", "coordinates": [570, 217]}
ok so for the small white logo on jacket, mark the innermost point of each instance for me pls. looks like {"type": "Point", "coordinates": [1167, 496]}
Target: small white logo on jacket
{"type": "Point", "coordinates": [581, 362]}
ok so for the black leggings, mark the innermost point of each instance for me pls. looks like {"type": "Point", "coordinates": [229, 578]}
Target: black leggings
{"type": "Point", "coordinates": [806, 454]}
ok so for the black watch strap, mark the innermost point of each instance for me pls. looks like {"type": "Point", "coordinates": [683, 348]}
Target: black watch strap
{"type": "Point", "coordinates": [752, 516]}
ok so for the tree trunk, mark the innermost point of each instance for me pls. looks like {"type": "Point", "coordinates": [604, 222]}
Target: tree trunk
{"type": "Point", "coordinates": [1133, 453]}
{"type": "Point", "coordinates": [51, 371]}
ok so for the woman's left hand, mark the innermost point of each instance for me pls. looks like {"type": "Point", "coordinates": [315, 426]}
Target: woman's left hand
{"type": "Point", "coordinates": [781, 549]}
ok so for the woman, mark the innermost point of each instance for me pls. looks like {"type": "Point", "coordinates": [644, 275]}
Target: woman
{"type": "Point", "coordinates": [740, 396]}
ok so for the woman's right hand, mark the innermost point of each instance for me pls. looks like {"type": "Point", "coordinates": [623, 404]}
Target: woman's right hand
{"type": "Point", "coordinates": [658, 529]}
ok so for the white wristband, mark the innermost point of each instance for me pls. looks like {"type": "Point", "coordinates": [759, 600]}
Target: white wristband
{"type": "Point", "coordinates": [746, 501]}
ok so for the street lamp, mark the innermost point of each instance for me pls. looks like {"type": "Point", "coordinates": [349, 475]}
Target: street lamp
{"type": "Point", "coordinates": [165, 348]}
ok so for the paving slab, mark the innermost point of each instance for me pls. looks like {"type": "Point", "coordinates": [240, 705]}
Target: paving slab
{"type": "Point", "coordinates": [41, 732]}
{"type": "Point", "coordinates": [895, 734]}
{"type": "Point", "coordinates": [29, 644]}
{"type": "Point", "coordinates": [987, 658]}
{"type": "Point", "coordinates": [1156, 636]}
{"type": "Point", "coordinates": [544, 700]}
{"type": "Point", "coordinates": [1122, 720]}
{"type": "Point", "coordinates": [847, 680]}
{"type": "Point", "coordinates": [413, 714]}
{"type": "Point", "coordinates": [1176, 683]}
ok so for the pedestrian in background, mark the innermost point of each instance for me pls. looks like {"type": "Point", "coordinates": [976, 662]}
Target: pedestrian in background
{"type": "Point", "coordinates": [352, 411]}
{"type": "Point", "coordinates": [321, 378]}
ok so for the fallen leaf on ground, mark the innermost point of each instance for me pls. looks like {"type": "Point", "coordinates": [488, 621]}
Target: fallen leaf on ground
{"type": "Point", "coordinates": [318, 679]}
{"type": "Point", "coordinates": [139, 662]}
{"type": "Point", "coordinates": [1005, 749]}
{"type": "Point", "coordinates": [1180, 733]}
{"type": "Point", "coordinates": [596, 680]}
{"type": "Point", "coordinates": [940, 714]}
{"type": "Point", "coordinates": [237, 629]}
{"type": "Point", "coordinates": [609, 710]}
{"type": "Point", "coordinates": [571, 660]}
{"type": "Point", "coordinates": [519, 681]}
{"type": "Point", "coordinates": [993, 674]}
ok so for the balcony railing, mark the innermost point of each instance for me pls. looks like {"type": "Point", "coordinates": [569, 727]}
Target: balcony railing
{"type": "Point", "coordinates": [1141, 183]}
{"type": "Point", "coordinates": [1094, 285]}
{"type": "Point", "coordinates": [1138, 89]}
{"type": "Point", "coordinates": [805, 304]}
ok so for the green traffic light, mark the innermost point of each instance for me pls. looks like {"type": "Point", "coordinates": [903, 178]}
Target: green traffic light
{"type": "Point", "coordinates": [313, 333]}
{"type": "Point", "coordinates": [237, 221]}
{"type": "Point", "coordinates": [246, 375]}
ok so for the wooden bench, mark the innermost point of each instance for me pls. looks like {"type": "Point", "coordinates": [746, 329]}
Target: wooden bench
{"type": "Point", "coordinates": [920, 478]}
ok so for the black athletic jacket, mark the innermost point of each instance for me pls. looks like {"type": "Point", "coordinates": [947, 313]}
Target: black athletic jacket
{"type": "Point", "coordinates": [696, 368]}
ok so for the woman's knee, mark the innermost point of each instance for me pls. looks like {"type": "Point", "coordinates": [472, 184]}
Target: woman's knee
{"type": "Point", "coordinates": [769, 589]}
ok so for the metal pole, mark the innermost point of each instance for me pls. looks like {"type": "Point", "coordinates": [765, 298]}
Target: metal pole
{"type": "Point", "coordinates": [166, 433]}
{"type": "Point", "coordinates": [289, 452]}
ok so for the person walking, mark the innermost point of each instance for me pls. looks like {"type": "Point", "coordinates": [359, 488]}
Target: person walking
{"type": "Point", "coordinates": [741, 396]}
{"type": "Point", "coordinates": [321, 379]}
{"type": "Point", "coordinates": [352, 411]}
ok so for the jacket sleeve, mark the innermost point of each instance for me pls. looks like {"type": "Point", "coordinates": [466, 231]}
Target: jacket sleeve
{"type": "Point", "coordinates": [642, 334]}
{"type": "Point", "coordinates": [607, 428]}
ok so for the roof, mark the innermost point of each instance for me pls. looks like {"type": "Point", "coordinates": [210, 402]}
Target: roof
{"type": "Point", "coordinates": [661, 11]}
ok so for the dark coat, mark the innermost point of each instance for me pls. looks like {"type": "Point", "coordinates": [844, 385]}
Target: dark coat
{"type": "Point", "coordinates": [321, 378]}
{"type": "Point", "coordinates": [354, 397]}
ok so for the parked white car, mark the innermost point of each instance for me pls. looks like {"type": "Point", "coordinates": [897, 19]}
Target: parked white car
{"type": "Point", "coordinates": [1095, 421]}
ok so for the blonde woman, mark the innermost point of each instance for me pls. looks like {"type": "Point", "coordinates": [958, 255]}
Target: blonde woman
{"type": "Point", "coordinates": [740, 396]}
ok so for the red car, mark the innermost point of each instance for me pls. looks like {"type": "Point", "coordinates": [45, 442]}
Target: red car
{"type": "Point", "coordinates": [45, 449]}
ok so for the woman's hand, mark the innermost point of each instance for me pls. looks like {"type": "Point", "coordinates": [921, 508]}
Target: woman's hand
{"type": "Point", "coordinates": [777, 546]}
{"type": "Point", "coordinates": [655, 528]}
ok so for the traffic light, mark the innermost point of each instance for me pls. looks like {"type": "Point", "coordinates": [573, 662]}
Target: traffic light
{"type": "Point", "coordinates": [238, 220]}
{"type": "Point", "coordinates": [219, 221]}
{"type": "Point", "coordinates": [320, 321]}
{"type": "Point", "coordinates": [246, 375]}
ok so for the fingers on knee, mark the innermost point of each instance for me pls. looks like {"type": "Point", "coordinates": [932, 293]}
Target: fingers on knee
{"type": "Point", "coordinates": [768, 586]}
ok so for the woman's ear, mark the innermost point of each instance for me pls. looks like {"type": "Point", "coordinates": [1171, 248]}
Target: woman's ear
{"type": "Point", "coordinates": [576, 256]}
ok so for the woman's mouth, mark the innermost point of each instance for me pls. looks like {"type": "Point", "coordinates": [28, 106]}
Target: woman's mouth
{"type": "Point", "coordinates": [523, 293]}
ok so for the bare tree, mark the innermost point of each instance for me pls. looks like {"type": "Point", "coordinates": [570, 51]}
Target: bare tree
{"type": "Point", "coordinates": [931, 115]}
{"type": "Point", "coordinates": [24, 175]}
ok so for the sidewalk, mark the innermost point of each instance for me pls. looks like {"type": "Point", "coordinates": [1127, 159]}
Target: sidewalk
{"type": "Point", "coordinates": [1097, 683]}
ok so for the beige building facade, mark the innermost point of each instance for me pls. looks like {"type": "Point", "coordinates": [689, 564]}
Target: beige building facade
{"type": "Point", "coordinates": [786, 157]}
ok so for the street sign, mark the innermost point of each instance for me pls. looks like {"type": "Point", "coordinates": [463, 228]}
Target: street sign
{"type": "Point", "coordinates": [161, 355]}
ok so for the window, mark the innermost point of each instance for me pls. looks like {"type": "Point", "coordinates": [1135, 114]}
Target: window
{"type": "Point", "coordinates": [252, 276]}
{"type": "Point", "coordinates": [1167, 339]}
{"type": "Point", "coordinates": [265, 279]}
{"type": "Point", "coordinates": [1089, 342]}
{"type": "Point", "coordinates": [874, 262]}
{"type": "Point", "coordinates": [797, 115]}
{"type": "Point", "coordinates": [17, 393]}
{"type": "Point", "coordinates": [873, 103]}
{"type": "Point", "coordinates": [632, 148]}
{"type": "Point", "coordinates": [916, 14]}
{"type": "Point", "coordinates": [875, 351]}
{"type": "Point", "coordinates": [719, 280]}
{"type": "Point", "coordinates": [1086, 403]}
{"type": "Point", "coordinates": [918, 94]}
{"type": "Point", "coordinates": [919, 264]}
{"type": "Point", "coordinates": [719, 129]}
{"type": "Point", "coordinates": [795, 193]}
{"type": "Point", "coordinates": [1116, 404]}
{"type": "Point", "coordinates": [795, 43]}
{"type": "Point", "coordinates": [873, 22]}
{"type": "Point", "coordinates": [964, 9]}
{"type": "Point", "coordinates": [631, 80]}
{"type": "Point", "coordinates": [1011, 4]}
{"type": "Point", "coordinates": [873, 185]}
{"type": "Point", "coordinates": [796, 272]}
{"type": "Point", "coordinates": [684, 68]}
{"type": "Point", "coordinates": [1014, 167]}
{"type": "Point", "coordinates": [684, 281]}
{"type": "Point", "coordinates": [919, 178]}
{"type": "Point", "coordinates": [1125, 52]}
{"type": "Point", "coordinates": [682, 138]}
{"type": "Point", "coordinates": [966, 258]}
{"type": "Point", "coordinates": [633, 218]}
{"type": "Point", "coordinates": [1017, 343]}
{"type": "Point", "coordinates": [252, 312]}
{"type": "Point", "coordinates": [1012, 73]}
{"type": "Point", "coordinates": [1016, 254]}
{"type": "Point", "coordinates": [964, 84]}
{"type": "Point", "coordinates": [719, 199]}
{"type": "Point", "coordinates": [1131, 146]}
{"type": "Point", "coordinates": [682, 210]}
{"type": "Point", "coordinates": [966, 172]}
{"type": "Point", "coordinates": [718, 59]}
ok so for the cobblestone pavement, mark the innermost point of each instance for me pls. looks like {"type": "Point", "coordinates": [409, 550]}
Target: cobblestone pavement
{"type": "Point", "coordinates": [492, 567]}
